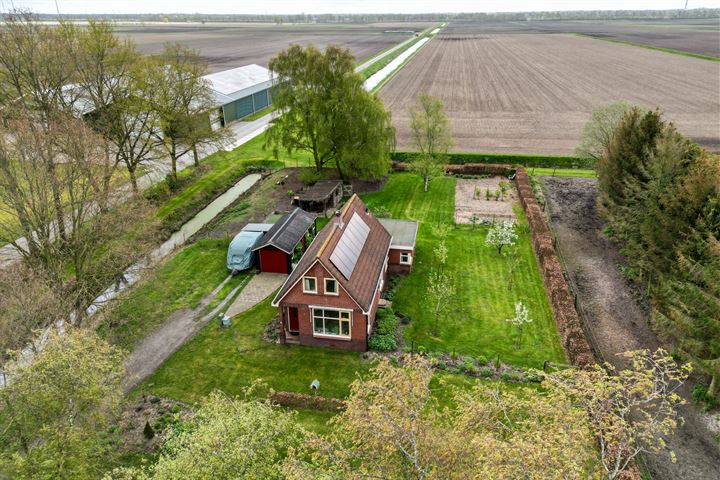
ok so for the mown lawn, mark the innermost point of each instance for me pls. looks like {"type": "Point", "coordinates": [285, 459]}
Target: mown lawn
{"type": "Point", "coordinates": [232, 359]}
{"type": "Point", "coordinates": [178, 284]}
{"type": "Point", "coordinates": [485, 291]}
{"type": "Point", "coordinates": [561, 172]}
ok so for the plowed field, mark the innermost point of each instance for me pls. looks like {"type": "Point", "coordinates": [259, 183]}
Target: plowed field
{"type": "Point", "coordinates": [230, 45]}
{"type": "Point", "coordinates": [509, 93]}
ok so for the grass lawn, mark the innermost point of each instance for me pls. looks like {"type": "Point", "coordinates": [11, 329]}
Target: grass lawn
{"type": "Point", "coordinates": [178, 284]}
{"type": "Point", "coordinates": [474, 322]}
{"type": "Point", "coordinates": [560, 172]}
{"type": "Point", "coordinates": [233, 358]}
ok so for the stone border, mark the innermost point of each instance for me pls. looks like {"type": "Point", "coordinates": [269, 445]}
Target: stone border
{"type": "Point", "coordinates": [572, 335]}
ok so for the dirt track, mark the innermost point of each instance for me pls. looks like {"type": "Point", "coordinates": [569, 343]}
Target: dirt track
{"type": "Point", "coordinates": [226, 46]}
{"type": "Point", "coordinates": [618, 316]}
{"type": "Point", "coordinates": [532, 93]}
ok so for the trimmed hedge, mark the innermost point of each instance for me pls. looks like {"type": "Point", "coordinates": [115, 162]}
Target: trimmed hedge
{"type": "Point", "coordinates": [568, 323]}
{"type": "Point", "coordinates": [546, 161]}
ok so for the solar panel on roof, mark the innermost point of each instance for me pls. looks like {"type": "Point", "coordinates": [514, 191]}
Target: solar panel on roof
{"type": "Point", "coordinates": [347, 251]}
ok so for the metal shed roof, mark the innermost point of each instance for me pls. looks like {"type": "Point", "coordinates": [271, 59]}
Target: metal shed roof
{"type": "Point", "coordinates": [236, 83]}
{"type": "Point", "coordinates": [288, 231]}
{"type": "Point", "coordinates": [257, 227]}
{"type": "Point", "coordinates": [404, 232]}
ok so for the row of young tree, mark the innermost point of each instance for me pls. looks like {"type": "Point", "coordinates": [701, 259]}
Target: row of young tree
{"type": "Point", "coordinates": [58, 414]}
{"type": "Point", "coordinates": [80, 113]}
{"type": "Point", "coordinates": [660, 195]}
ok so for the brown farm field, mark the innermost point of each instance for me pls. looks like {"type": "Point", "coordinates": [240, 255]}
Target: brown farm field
{"type": "Point", "coordinates": [230, 45]}
{"type": "Point", "coordinates": [532, 93]}
{"type": "Point", "coordinates": [701, 35]}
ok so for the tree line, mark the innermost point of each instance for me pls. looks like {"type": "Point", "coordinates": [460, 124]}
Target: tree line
{"type": "Point", "coordinates": [361, 18]}
{"type": "Point", "coordinates": [81, 113]}
{"type": "Point", "coordinates": [659, 193]}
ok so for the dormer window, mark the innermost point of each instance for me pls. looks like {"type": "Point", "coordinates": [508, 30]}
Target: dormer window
{"type": "Point", "coordinates": [309, 285]}
{"type": "Point", "coordinates": [331, 286]}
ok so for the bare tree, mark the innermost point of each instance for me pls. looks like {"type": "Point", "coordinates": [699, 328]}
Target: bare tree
{"type": "Point", "coordinates": [184, 102]}
{"type": "Point", "coordinates": [30, 302]}
{"type": "Point", "coordinates": [36, 66]}
{"type": "Point", "coordinates": [598, 131]}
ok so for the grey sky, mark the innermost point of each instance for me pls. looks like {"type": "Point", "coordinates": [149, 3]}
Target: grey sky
{"type": "Point", "coordinates": [341, 6]}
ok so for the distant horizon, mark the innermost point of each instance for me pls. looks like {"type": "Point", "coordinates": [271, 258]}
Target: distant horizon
{"type": "Point", "coordinates": [339, 7]}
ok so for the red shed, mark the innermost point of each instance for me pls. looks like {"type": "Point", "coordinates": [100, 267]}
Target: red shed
{"type": "Point", "coordinates": [285, 241]}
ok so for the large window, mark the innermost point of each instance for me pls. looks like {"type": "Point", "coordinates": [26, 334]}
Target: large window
{"type": "Point", "coordinates": [309, 285]}
{"type": "Point", "coordinates": [331, 322]}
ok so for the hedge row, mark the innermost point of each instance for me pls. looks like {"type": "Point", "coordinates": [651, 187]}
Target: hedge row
{"type": "Point", "coordinates": [547, 161]}
{"type": "Point", "coordinates": [465, 169]}
{"type": "Point", "coordinates": [570, 329]}
{"type": "Point", "coordinates": [309, 402]}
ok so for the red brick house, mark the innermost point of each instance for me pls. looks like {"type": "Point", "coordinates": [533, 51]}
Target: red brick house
{"type": "Point", "coordinates": [331, 297]}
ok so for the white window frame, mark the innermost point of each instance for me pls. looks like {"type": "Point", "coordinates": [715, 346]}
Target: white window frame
{"type": "Point", "coordinates": [337, 287]}
{"type": "Point", "coordinates": [314, 279]}
{"type": "Point", "coordinates": [340, 311]}
{"type": "Point", "coordinates": [409, 258]}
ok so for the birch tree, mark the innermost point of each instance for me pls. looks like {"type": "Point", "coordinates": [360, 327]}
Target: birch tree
{"type": "Point", "coordinates": [430, 131]}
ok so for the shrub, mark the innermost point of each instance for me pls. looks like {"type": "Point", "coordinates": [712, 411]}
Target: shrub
{"type": "Point", "coordinates": [533, 377]}
{"type": "Point", "coordinates": [441, 365]}
{"type": "Point", "coordinates": [515, 376]}
{"type": "Point", "coordinates": [382, 343]}
{"type": "Point", "coordinates": [505, 377]}
{"type": "Point", "coordinates": [310, 176]}
{"type": "Point", "coordinates": [700, 396]}
{"type": "Point", "coordinates": [486, 372]}
{"type": "Point", "coordinates": [421, 350]}
{"type": "Point", "coordinates": [148, 431]}
{"type": "Point", "coordinates": [482, 360]}
{"type": "Point", "coordinates": [175, 409]}
{"type": "Point", "coordinates": [470, 366]}
{"type": "Point", "coordinates": [387, 325]}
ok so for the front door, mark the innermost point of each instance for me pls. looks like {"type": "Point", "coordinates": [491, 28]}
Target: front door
{"type": "Point", "coordinates": [293, 322]}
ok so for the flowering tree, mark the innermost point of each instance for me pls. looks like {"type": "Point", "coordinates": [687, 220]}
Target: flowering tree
{"type": "Point", "coordinates": [521, 318]}
{"type": "Point", "coordinates": [631, 411]}
{"type": "Point", "coordinates": [500, 235]}
{"type": "Point", "coordinates": [394, 428]}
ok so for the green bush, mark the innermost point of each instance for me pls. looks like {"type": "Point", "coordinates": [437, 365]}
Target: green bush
{"type": "Point", "coordinates": [382, 343]}
{"type": "Point", "coordinates": [482, 360]}
{"type": "Point", "coordinates": [505, 376]}
{"type": "Point", "coordinates": [310, 176]}
{"type": "Point", "coordinates": [421, 350]}
{"type": "Point", "coordinates": [441, 365]}
{"type": "Point", "coordinates": [486, 372]}
{"type": "Point", "coordinates": [387, 325]}
{"type": "Point", "coordinates": [700, 396]}
{"type": "Point", "coordinates": [546, 161]}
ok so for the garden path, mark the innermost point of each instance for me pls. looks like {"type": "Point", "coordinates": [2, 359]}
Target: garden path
{"type": "Point", "coordinates": [259, 288]}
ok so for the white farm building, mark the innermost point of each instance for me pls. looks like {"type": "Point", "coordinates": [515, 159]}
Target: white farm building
{"type": "Point", "coordinates": [241, 91]}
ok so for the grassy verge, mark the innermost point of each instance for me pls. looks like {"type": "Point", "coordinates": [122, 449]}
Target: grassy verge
{"type": "Point", "coordinates": [561, 172]}
{"type": "Point", "coordinates": [402, 65]}
{"type": "Point", "coordinates": [485, 290]}
{"type": "Point", "coordinates": [178, 284]}
{"type": "Point", "coordinates": [544, 161]}
{"type": "Point", "coordinates": [198, 186]}
{"type": "Point", "coordinates": [259, 114]}
{"type": "Point", "coordinates": [651, 47]}
{"type": "Point", "coordinates": [375, 67]}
